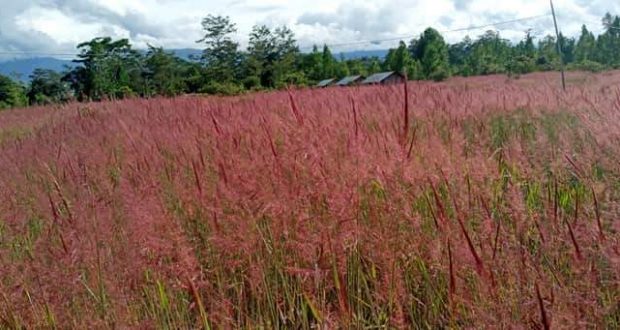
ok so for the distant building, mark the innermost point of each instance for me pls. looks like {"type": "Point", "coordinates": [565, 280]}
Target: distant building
{"type": "Point", "coordinates": [325, 83]}
{"type": "Point", "coordinates": [384, 78]}
{"type": "Point", "coordinates": [350, 80]}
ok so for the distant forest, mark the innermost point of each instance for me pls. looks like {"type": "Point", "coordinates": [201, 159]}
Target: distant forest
{"type": "Point", "coordinates": [112, 69]}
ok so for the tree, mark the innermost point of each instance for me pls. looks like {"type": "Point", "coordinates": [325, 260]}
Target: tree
{"type": "Point", "coordinates": [548, 58]}
{"type": "Point", "coordinates": [220, 56]}
{"type": "Point", "coordinates": [261, 55]}
{"type": "Point", "coordinates": [524, 56]}
{"type": "Point", "coordinates": [311, 65]}
{"type": "Point", "coordinates": [399, 59]}
{"type": "Point", "coordinates": [458, 54]}
{"type": "Point", "coordinates": [374, 65]}
{"type": "Point", "coordinates": [608, 43]}
{"type": "Point", "coordinates": [585, 50]}
{"type": "Point", "coordinates": [164, 73]}
{"type": "Point", "coordinates": [271, 55]}
{"type": "Point", "coordinates": [357, 67]}
{"type": "Point", "coordinates": [432, 52]}
{"type": "Point", "coordinates": [287, 53]}
{"type": "Point", "coordinates": [568, 48]}
{"type": "Point", "coordinates": [46, 87]}
{"type": "Point", "coordinates": [526, 47]}
{"type": "Point", "coordinates": [108, 69]}
{"type": "Point", "coordinates": [195, 77]}
{"type": "Point", "coordinates": [328, 64]}
{"type": "Point", "coordinates": [11, 93]}
{"type": "Point", "coordinates": [490, 54]}
{"type": "Point", "coordinates": [611, 24]}
{"type": "Point", "coordinates": [341, 68]}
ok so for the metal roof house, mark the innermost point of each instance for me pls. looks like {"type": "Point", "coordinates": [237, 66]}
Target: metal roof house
{"type": "Point", "coordinates": [325, 83]}
{"type": "Point", "coordinates": [384, 78]}
{"type": "Point", "coordinates": [350, 80]}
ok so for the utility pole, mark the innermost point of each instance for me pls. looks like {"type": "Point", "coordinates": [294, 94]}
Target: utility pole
{"type": "Point", "coordinates": [559, 44]}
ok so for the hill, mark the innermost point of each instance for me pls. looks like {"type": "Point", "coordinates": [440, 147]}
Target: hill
{"type": "Point", "coordinates": [21, 69]}
{"type": "Point", "coordinates": [381, 53]}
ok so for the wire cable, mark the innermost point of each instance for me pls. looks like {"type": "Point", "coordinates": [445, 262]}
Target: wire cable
{"type": "Point", "coordinates": [334, 45]}
{"type": "Point", "coordinates": [410, 36]}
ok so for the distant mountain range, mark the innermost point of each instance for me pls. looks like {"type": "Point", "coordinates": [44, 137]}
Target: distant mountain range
{"type": "Point", "coordinates": [21, 69]}
{"type": "Point", "coordinates": [380, 53]}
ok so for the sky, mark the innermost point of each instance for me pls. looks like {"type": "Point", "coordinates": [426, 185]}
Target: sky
{"type": "Point", "coordinates": [44, 27]}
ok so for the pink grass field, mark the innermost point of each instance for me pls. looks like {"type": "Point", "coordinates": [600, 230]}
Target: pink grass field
{"type": "Point", "coordinates": [494, 204]}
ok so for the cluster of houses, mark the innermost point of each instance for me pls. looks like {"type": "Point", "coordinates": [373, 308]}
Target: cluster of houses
{"type": "Point", "coordinates": [383, 78]}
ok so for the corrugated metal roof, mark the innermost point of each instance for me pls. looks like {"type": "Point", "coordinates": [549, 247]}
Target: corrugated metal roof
{"type": "Point", "coordinates": [377, 77]}
{"type": "Point", "coordinates": [325, 83]}
{"type": "Point", "coordinates": [348, 80]}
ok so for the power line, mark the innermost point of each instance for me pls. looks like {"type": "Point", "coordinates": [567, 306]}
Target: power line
{"type": "Point", "coordinates": [496, 24]}
{"type": "Point", "coordinates": [360, 42]}
{"type": "Point", "coordinates": [334, 45]}
{"type": "Point", "coordinates": [605, 27]}
{"type": "Point", "coordinates": [409, 36]}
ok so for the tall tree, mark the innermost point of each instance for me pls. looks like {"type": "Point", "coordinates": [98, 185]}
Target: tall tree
{"type": "Point", "coordinates": [526, 46]}
{"type": "Point", "coordinates": [311, 65]}
{"type": "Point", "coordinates": [11, 93]}
{"type": "Point", "coordinates": [399, 59]}
{"type": "Point", "coordinates": [107, 69]}
{"type": "Point", "coordinates": [164, 73]}
{"type": "Point", "coordinates": [374, 65]}
{"type": "Point", "coordinates": [261, 55]}
{"type": "Point", "coordinates": [568, 48]}
{"type": "Point", "coordinates": [458, 54]}
{"type": "Point", "coordinates": [46, 87]}
{"type": "Point", "coordinates": [271, 55]}
{"type": "Point", "coordinates": [341, 67]}
{"type": "Point", "coordinates": [548, 58]}
{"type": "Point", "coordinates": [432, 52]}
{"type": "Point", "coordinates": [357, 67]}
{"type": "Point", "coordinates": [288, 54]}
{"type": "Point", "coordinates": [585, 50]}
{"type": "Point", "coordinates": [221, 55]}
{"type": "Point", "coordinates": [490, 54]}
{"type": "Point", "coordinates": [608, 43]}
{"type": "Point", "coordinates": [523, 59]}
{"type": "Point", "coordinates": [328, 63]}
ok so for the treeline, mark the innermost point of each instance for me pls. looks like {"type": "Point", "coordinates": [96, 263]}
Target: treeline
{"type": "Point", "coordinates": [112, 69]}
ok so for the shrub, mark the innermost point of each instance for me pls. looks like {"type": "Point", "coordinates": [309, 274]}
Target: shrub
{"type": "Point", "coordinates": [587, 65]}
{"type": "Point", "coordinates": [221, 88]}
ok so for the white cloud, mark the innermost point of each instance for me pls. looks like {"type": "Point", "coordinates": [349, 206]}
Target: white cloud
{"type": "Point", "coordinates": [48, 26]}
{"type": "Point", "coordinates": [56, 24]}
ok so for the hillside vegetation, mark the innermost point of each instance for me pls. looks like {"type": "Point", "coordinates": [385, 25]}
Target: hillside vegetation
{"type": "Point", "coordinates": [473, 203]}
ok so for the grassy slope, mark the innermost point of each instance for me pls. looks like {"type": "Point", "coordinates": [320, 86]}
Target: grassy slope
{"type": "Point", "coordinates": [497, 209]}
